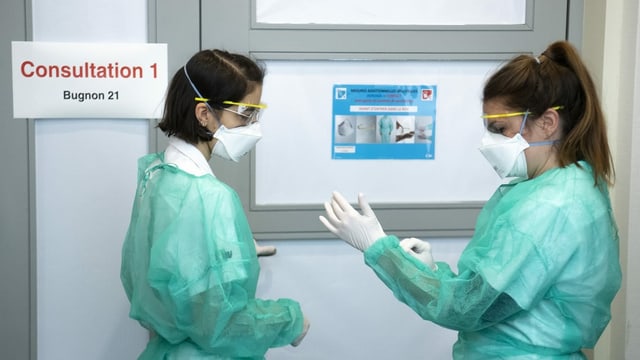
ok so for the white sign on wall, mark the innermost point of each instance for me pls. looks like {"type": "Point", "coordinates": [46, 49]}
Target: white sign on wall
{"type": "Point", "coordinates": [88, 80]}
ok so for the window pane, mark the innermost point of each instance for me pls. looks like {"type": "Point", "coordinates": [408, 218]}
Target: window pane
{"type": "Point", "coordinates": [293, 159]}
{"type": "Point", "coordinates": [403, 12]}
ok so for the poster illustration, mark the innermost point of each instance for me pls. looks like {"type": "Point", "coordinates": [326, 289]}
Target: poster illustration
{"type": "Point", "coordinates": [384, 122]}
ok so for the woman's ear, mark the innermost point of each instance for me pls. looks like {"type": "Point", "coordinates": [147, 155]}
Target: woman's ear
{"type": "Point", "coordinates": [550, 122]}
{"type": "Point", "coordinates": [202, 114]}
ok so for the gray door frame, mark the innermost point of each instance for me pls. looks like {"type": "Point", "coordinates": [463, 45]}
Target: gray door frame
{"type": "Point", "coordinates": [18, 305]}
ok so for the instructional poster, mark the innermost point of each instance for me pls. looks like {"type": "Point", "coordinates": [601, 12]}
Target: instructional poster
{"type": "Point", "coordinates": [384, 122]}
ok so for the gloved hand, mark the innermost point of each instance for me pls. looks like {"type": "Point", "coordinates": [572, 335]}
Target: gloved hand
{"type": "Point", "coordinates": [359, 230]}
{"type": "Point", "coordinates": [264, 250]}
{"type": "Point", "coordinates": [305, 328]}
{"type": "Point", "coordinates": [420, 250]}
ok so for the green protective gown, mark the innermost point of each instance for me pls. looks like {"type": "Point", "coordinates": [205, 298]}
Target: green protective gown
{"type": "Point", "coordinates": [386, 127]}
{"type": "Point", "coordinates": [190, 270]}
{"type": "Point", "coordinates": [537, 279]}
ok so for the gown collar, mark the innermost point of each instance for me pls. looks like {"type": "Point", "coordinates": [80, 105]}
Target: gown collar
{"type": "Point", "coordinates": [187, 157]}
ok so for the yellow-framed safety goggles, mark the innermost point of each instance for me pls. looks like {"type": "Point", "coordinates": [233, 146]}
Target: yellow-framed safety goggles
{"type": "Point", "coordinates": [250, 117]}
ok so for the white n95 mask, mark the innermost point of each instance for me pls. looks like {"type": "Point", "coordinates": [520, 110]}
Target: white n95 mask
{"type": "Point", "coordinates": [234, 143]}
{"type": "Point", "coordinates": [505, 154]}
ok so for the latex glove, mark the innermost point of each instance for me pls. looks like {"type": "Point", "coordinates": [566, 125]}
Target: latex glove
{"type": "Point", "coordinates": [264, 250]}
{"type": "Point", "coordinates": [359, 230]}
{"type": "Point", "coordinates": [305, 328]}
{"type": "Point", "coordinates": [420, 250]}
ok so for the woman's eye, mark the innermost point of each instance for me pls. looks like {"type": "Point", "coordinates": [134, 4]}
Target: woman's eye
{"type": "Point", "coordinates": [496, 129]}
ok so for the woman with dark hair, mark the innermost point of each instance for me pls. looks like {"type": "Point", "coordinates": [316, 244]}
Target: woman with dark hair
{"type": "Point", "coordinates": [189, 264]}
{"type": "Point", "coordinates": [537, 279]}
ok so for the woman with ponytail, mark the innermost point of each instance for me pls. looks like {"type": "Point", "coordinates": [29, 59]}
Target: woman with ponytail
{"type": "Point", "coordinates": [537, 279]}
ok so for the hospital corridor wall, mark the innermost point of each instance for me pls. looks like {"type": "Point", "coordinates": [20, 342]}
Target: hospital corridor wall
{"type": "Point", "coordinates": [66, 209]}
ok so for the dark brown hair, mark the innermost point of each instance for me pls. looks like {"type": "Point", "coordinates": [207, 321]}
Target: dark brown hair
{"type": "Point", "coordinates": [558, 77]}
{"type": "Point", "coordinates": [219, 76]}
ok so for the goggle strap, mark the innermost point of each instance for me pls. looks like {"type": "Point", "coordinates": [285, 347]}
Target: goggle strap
{"type": "Point", "coordinates": [258, 106]}
{"type": "Point", "coordinates": [496, 116]}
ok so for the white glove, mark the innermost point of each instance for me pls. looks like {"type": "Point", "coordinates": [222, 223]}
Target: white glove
{"type": "Point", "coordinates": [359, 230]}
{"type": "Point", "coordinates": [420, 250]}
{"type": "Point", "coordinates": [305, 328]}
{"type": "Point", "coordinates": [264, 250]}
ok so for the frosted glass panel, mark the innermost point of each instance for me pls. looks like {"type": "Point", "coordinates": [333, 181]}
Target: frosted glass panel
{"type": "Point", "coordinates": [293, 159]}
{"type": "Point", "coordinates": [399, 12]}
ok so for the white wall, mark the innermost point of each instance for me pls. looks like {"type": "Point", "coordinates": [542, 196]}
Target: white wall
{"type": "Point", "coordinates": [85, 183]}
{"type": "Point", "coordinates": [84, 191]}
{"type": "Point", "coordinates": [619, 69]}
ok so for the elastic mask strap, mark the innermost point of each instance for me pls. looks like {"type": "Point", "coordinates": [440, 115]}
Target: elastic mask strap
{"type": "Point", "coordinates": [193, 86]}
{"type": "Point", "coordinates": [191, 83]}
{"type": "Point", "coordinates": [538, 143]}
{"type": "Point", "coordinates": [524, 120]}
{"type": "Point", "coordinates": [541, 143]}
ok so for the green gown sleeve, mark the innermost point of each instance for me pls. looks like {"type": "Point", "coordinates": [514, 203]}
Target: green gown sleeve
{"type": "Point", "coordinates": [190, 269]}
{"type": "Point", "coordinates": [458, 302]}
